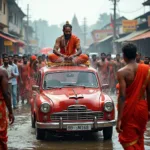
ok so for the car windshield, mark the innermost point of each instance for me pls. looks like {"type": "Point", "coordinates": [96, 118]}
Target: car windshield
{"type": "Point", "coordinates": [70, 79]}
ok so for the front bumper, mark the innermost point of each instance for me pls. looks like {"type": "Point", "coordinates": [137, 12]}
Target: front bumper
{"type": "Point", "coordinates": [63, 125]}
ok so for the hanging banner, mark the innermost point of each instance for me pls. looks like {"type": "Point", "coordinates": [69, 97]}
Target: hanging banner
{"type": "Point", "coordinates": [129, 25]}
{"type": "Point", "coordinates": [8, 43]}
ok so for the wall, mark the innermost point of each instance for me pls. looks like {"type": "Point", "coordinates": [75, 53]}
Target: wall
{"type": "Point", "coordinates": [4, 14]}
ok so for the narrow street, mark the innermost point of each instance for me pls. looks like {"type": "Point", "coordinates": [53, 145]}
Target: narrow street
{"type": "Point", "coordinates": [22, 137]}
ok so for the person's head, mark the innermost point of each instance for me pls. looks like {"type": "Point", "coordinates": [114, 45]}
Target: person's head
{"type": "Point", "coordinates": [40, 59]}
{"type": "Point", "coordinates": [29, 57]}
{"type": "Point", "coordinates": [147, 60]}
{"type": "Point", "coordinates": [19, 59]}
{"type": "Point", "coordinates": [33, 58]}
{"type": "Point", "coordinates": [118, 57]}
{"type": "Point", "coordinates": [67, 30]}
{"type": "Point", "coordinates": [5, 61]}
{"type": "Point", "coordinates": [108, 57]}
{"type": "Point", "coordinates": [10, 58]}
{"type": "Point", "coordinates": [25, 59]}
{"type": "Point", "coordinates": [94, 57]}
{"type": "Point", "coordinates": [15, 58]}
{"type": "Point", "coordinates": [129, 52]}
{"type": "Point", "coordinates": [138, 57]}
{"type": "Point", "coordinates": [43, 57]}
{"type": "Point", "coordinates": [103, 56]}
{"type": "Point", "coordinates": [4, 55]}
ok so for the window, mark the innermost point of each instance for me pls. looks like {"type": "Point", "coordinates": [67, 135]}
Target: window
{"type": "Point", "coordinates": [71, 79]}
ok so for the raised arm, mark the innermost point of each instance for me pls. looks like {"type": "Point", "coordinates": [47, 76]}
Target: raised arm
{"type": "Point", "coordinates": [121, 98]}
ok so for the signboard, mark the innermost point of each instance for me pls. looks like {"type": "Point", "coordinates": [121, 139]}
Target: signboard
{"type": "Point", "coordinates": [101, 34]}
{"type": "Point", "coordinates": [129, 25]}
{"type": "Point", "coordinates": [8, 43]}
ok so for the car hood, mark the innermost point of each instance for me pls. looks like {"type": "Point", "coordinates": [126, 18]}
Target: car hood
{"type": "Point", "coordinates": [62, 98]}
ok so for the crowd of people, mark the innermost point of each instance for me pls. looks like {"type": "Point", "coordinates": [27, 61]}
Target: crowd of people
{"type": "Point", "coordinates": [22, 72]}
{"type": "Point", "coordinates": [108, 67]}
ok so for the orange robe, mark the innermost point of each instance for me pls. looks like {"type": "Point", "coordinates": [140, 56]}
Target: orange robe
{"type": "Point", "coordinates": [68, 50]}
{"type": "Point", "coordinates": [3, 123]}
{"type": "Point", "coordinates": [24, 71]}
{"type": "Point", "coordinates": [135, 113]}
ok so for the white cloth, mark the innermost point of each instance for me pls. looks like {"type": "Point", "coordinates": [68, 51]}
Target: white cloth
{"type": "Point", "coordinates": [16, 73]}
{"type": "Point", "coordinates": [9, 70]}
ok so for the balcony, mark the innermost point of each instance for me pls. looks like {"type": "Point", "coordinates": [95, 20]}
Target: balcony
{"type": "Point", "coordinates": [14, 29]}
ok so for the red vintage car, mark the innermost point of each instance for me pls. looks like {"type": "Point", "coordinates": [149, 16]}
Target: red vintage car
{"type": "Point", "coordinates": [71, 99]}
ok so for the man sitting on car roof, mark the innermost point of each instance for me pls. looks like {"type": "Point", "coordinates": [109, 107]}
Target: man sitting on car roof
{"type": "Point", "coordinates": [67, 48]}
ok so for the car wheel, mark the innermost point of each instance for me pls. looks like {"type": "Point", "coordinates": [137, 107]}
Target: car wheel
{"type": "Point", "coordinates": [33, 121]}
{"type": "Point", "coordinates": [40, 134]}
{"type": "Point", "coordinates": [107, 133]}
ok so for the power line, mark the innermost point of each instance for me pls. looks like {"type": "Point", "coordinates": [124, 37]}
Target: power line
{"type": "Point", "coordinates": [130, 11]}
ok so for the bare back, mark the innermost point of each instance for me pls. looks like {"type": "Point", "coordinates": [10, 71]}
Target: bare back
{"type": "Point", "coordinates": [129, 72]}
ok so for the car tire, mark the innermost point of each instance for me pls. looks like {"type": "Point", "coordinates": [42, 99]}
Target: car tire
{"type": "Point", "coordinates": [40, 134]}
{"type": "Point", "coordinates": [107, 133]}
{"type": "Point", "coordinates": [33, 121]}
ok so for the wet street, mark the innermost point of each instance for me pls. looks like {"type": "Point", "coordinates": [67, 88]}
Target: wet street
{"type": "Point", "coordinates": [22, 137]}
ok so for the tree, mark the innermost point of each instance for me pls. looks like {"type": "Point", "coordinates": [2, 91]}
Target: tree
{"type": "Point", "coordinates": [46, 34]}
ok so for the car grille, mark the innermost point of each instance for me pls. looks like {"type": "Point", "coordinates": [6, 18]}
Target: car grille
{"type": "Point", "coordinates": [77, 112]}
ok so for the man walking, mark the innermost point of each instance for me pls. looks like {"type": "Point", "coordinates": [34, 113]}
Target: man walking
{"type": "Point", "coordinates": [15, 74]}
{"type": "Point", "coordinates": [134, 82]}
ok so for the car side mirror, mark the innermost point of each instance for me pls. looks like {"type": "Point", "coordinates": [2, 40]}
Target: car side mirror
{"type": "Point", "coordinates": [105, 86]}
{"type": "Point", "coordinates": [35, 88]}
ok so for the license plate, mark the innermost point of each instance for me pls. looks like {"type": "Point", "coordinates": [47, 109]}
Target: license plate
{"type": "Point", "coordinates": [78, 127]}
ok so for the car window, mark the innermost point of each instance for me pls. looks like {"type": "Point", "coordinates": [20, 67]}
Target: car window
{"type": "Point", "coordinates": [76, 78]}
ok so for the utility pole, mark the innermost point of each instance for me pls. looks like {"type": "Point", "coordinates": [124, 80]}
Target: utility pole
{"type": "Point", "coordinates": [85, 30]}
{"type": "Point", "coordinates": [27, 30]}
{"type": "Point", "coordinates": [114, 26]}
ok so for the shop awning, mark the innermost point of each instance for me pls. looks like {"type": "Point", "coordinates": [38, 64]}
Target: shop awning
{"type": "Point", "coordinates": [8, 38]}
{"type": "Point", "coordinates": [21, 43]}
{"type": "Point", "coordinates": [142, 36]}
{"type": "Point", "coordinates": [132, 35]}
{"type": "Point", "coordinates": [105, 39]}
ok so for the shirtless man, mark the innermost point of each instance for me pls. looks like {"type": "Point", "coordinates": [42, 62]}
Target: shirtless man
{"type": "Point", "coordinates": [118, 63]}
{"type": "Point", "coordinates": [94, 61]}
{"type": "Point", "coordinates": [102, 66]}
{"type": "Point", "coordinates": [5, 101]}
{"type": "Point", "coordinates": [111, 73]}
{"type": "Point", "coordinates": [134, 82]}
{"type": "Point", "coordinates": [138, 59]}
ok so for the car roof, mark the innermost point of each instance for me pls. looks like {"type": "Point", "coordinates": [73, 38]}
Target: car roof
{"type": "Point", "coordinates": [68, 68]}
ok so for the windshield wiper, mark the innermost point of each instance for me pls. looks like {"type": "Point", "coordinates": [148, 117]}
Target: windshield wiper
{"type": "Point", "coordinates": [56, 87]}
{"type": "Point", "coordinates": [70, 85]}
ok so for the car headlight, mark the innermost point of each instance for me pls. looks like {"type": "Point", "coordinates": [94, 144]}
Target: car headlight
{"type": "Point", "coordinates": [108, 106]}
{"type": "Point", "coordinates": [45, 108]}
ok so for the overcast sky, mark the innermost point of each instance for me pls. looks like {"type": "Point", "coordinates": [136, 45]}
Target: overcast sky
{"type": "Point", "coordinates": [59, 11]}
